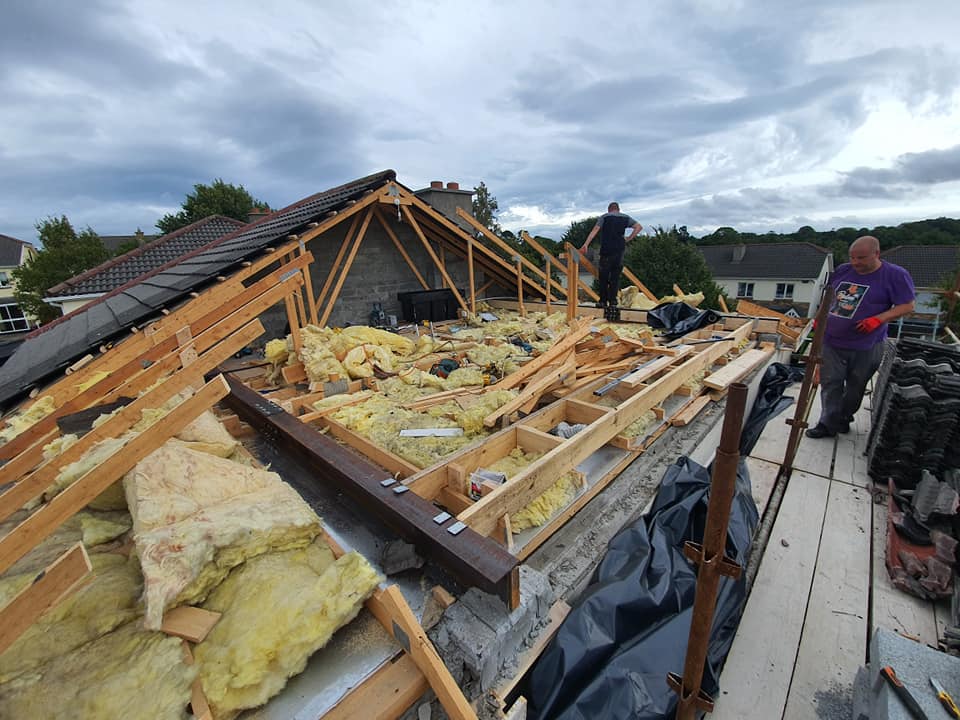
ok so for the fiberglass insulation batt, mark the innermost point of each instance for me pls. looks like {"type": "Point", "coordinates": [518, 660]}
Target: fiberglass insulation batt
{"type": "Point", "coordinates": [196, 516]}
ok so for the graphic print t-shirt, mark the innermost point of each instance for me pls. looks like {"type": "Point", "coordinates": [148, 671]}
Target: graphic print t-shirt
{"type": "Point", "coordinates": [857, 297]}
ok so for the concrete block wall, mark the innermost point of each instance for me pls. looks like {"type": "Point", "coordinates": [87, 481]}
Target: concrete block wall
{"type": "Point", "coordinates": [379, 271]}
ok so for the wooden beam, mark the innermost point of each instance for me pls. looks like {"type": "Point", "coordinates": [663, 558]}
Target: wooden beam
{"type": "Point", "coordinates": [35, 483]}
{"type": "Point", "coordinates": [558, 350]}
{"type": "Point", "coordinates": [399, 619]}
{"type": "Point", "coordinates": [565, 368]}
{"type": "Point", "coordinates": [400, 248]}
{"type": "Point", "coordinates": [688, 413]}
{"type": "Point", "coordinates": [335, 293]}
{"type": "Point", "coordinates": [474, 560]}
{"type": "Point", "coordinates": [534, 480]}
{"type": "Point", "coordinates": [308, 287]}
{"type": "Point", "coordinates": [723, 303]}
{"type": "Point", "coordinates": [572, 299]}
{"type": "Point", "coordinates": [390, 462]}
{"type": "Point", "coordinates": [626, 273]}
{"type": "Point", "coordinates": [736, 369]}
{"type": "Point", "coordinates": [188, 622]}
{"type": "Point", "coordinates": [472, 279]}
{"type": "Point", "coordinates": [433, 256]}
{"type": "Point", "coordinates": [48, 588]}
{"type": "Point", "coordinates": [385, 695]}
{"type": "Point", "coordinates": [78, 495]}
{"type": "Point", "coordinates": [474, 223]}
{"type": "Point", "coordinates": [344, 246]}
{"type": "Point", "coordinates": [554, 262]}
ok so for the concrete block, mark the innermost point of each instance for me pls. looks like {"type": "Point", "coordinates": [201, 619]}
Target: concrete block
{"type": "Point", "coordinates": [914, 664]}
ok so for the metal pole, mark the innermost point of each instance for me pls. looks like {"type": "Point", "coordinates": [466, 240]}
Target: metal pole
{"type": "Point", "coordinates": [710, 559]}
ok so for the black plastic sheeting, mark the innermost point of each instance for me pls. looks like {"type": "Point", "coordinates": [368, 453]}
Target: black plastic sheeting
{"type": "Point", "coordinates": [678, 318]}
{"type": "Point", "coordinates": [611, 656]}
{"type": "Point", "coordinates": [769, 403]}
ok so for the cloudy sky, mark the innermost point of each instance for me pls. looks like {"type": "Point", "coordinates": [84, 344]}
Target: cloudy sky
{"type": "Point", "coordinates": [756, 114]}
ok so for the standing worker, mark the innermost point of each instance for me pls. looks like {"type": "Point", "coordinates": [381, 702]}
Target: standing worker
{"type": "Point", "coordinates": [868, 293]}
{"type": "Point", "coordinates": [612, 225]}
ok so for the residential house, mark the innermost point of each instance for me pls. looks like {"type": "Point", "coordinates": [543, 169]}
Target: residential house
{"type": "Point", "coordinates": [13, 253]}
{"type": "Point", "coordinates": [777, 275]}
{"type": "Point", "coordinates": [82, 289]}
{"type": "Point", "coordinates": [929, 266]}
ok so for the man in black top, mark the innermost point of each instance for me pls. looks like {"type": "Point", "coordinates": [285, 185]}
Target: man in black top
{"type": "Point", "coordinates": [611, 225]}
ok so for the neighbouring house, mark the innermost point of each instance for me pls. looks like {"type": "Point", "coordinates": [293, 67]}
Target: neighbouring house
{"type": "Point", "coordinates": [113, 243]}
{"type": "Point", "coordinates": [13, 321]}
{"type": "Point", "coordinates": [781, 276]}
{"type": "Point", "coordinates": [82, 289]}
{"type": "Point", "coordinates": [929, 266]}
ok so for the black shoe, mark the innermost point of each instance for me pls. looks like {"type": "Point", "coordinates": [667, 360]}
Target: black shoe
{"type": "Point", "coordinates": [819, 431]}
{"type": "Point", "coordinates": [845, 428]}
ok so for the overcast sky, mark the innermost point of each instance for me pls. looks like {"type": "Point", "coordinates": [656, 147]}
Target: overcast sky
{"type": "Point", "coordinates": [762, 115]}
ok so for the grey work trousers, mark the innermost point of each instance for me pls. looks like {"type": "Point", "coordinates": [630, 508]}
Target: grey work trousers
{"type": "Point", "coordinates": [844, 375]}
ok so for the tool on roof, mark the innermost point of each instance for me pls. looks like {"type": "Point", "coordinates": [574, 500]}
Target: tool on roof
{"type": "Point", "coordinates": [944, 697]}
{"type": "Point", "coordinates": [888, 674]}
{"type": "Point", "coordinates": [443, 368]}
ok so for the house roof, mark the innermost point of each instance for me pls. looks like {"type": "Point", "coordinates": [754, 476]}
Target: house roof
{"type": "Point", "coordinates": [139, 261]}
{"type": "Point", "coordinates": [56, 345]}
{"type": "Point", "coordinates": [927, 264]}
{"type": "Point", "coordinates": [795, 260]}
{"type": "Point", "coordinates": [113, 242]}
{"type": "Point", "coordinates": [10, 251]}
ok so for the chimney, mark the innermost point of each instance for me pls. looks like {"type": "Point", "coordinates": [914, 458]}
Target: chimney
{"type": "Point", "coordinates": [453, 186]}
{"type": "Point", "coordinates": [739, 251]}
{"type": "Point", "coordinates": [257, 214]}
{"type": "Point", "coordinates": [436, 185]}
{"type": "Point", "coordinates": [447, 200]}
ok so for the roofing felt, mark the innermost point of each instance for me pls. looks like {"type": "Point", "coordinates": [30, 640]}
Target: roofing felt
{"type": "Point", "coordinates": [786, 261]}
{"type": "Point", "coordinates": [139, 261]}
{"type": "Point", "coordinates": [10, 250]}
{"type": "Point", "coordinates": [56, 345]}
{"type": "Point", "coordinates": [928, 265]}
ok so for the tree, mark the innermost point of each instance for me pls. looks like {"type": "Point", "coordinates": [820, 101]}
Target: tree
{"type": "Point", "coordinates": [218, 198]}
{"type": "Point", "coordinates": [663, 259]}
{"type": "Point", "coordinates": [63, 254]}
{"type": "Point", "coordinates": [484, 207]}
{"type": "Point", "coordinates": [577, 233]}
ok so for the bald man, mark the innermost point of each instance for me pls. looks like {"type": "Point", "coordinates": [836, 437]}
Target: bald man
{"type": "Point", "coordinates": [868, 294]}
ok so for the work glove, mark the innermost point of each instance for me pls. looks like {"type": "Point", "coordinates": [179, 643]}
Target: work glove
{"type": "Point", "coordinates": [869, 325]}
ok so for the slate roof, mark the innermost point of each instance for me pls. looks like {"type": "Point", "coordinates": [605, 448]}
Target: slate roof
{"type": "Point", "coordinates": [799, 260]}
{"type": "Point", "coordinates": [927, 264]}
{"type": "Point", "coordinates": [139, 261]}
{"type": "Point", "coordinates": [10, 250]}
{"type": "Point", "coordinates": [55, 346]}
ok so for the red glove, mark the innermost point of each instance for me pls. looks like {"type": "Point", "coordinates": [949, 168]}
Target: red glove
{"type": "Point", "coordinates": [869, 325]}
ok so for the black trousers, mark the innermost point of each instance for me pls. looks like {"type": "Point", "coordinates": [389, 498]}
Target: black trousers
{"type": "Point", "coordinates": [610, 267]}
{"type": "Point", "coordinates": [844, 375]}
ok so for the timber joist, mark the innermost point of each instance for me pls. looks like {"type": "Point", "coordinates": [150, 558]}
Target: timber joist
{"type": "Point", "coordinates": [474, 560]}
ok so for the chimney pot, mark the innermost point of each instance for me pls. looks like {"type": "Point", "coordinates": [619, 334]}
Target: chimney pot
{"type": "Point", "coordinates": [436, 184]}
{"type": "Point", "coordinates": [453, 186]}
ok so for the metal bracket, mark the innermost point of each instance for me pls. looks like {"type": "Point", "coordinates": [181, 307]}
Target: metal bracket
{"type": "Point", "coordinates": [401, 636]}
{"type": "Point", "coordinates": [694, 553]}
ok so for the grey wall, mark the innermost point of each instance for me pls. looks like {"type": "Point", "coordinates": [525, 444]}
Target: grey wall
{"type": "Point", "coordinates": [379, 271]}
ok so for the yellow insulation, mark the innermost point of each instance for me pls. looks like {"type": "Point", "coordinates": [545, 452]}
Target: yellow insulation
{"type": "Point", "coordinates": [278, 609]}
{"type": "Point", "coordinates": [544, 507]}
{"type": "Point", "coordinates": [19, 422]}
{"type": "Point", "coordinates": [128, 673]}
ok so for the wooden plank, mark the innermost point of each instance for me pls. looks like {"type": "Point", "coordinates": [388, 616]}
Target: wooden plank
{"type": "Point", "coordinates": [641, 375]}
{"type": "Point", "coordinates": [850, 463]}
{"type": "Point", "coordinates": [539, 475]}
{"type": "Point", "coordinates": [557, 351]}
{"type": "Point", "coordinates": [403, 251]}
{"type": "Point", "coordinates": [833, 645]}
{"type": "Point", "coordinates": [34, 484]}
{"type": "Point", "coordinates": [815, 455]}
{"type": "Point", "coordinates": [344, 246]}
{"type": "Point", "coordinates": [385, 695]}
{"type": "Point", "coordinates": [565, 369]}
{"type": "Point", "coordinates": [58, 580]}
{"type": "Point", "coordinates": [348, 263]}
{"type": "Point", "coordinates": [763, 476]}
{"type": "Point", "coordinates": [760, 663]}
{"type": "Point", "coordinates": [188, 622]}
{"type": "Point", "coordinates": [389, 461]}
{"type": "Point", "coordinates": [890, 608]}
{"type": "Point", "coordinates": [737, 369]}
{"type": "Point", "coordinates": [687, 415]}
{"type": "Point", "coordinates": [433, 256]}
{"type": "Point", "coordinates": [199, 707]}
{"type": "Point", "coordinates": [397, 617]}
{"type": "Point", "coordinates": [49, 517]}
{"type": "Point", "coordinates": [294, 373]}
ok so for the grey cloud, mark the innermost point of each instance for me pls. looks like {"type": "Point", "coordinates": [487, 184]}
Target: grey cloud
{"type": "Point", "coordinates": [910, 173]}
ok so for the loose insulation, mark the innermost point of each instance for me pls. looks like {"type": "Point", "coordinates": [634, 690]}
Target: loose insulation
{"type": "Point", "coordinates": [548, 504]}
{"type": "Point", "coordinates": [278, 609]}
{"type": "Point", "coordinates": [196, 516]}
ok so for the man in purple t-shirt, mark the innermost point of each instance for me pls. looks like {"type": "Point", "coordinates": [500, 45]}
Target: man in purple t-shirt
{"type": "Point", "coordinates": [868, 293]}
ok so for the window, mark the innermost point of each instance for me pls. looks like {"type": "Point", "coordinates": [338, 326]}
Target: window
{"type": "Point", "coordinates": [4, 279]}
{"type": "Point", "coordinates": [784, 291]}
{"type": "Point", "coordinates": [744, 290]}
{"type": "Point", "coordinates": [12, 319]}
